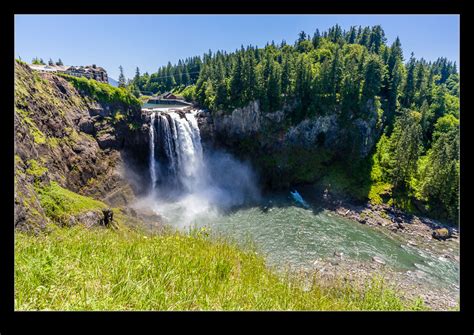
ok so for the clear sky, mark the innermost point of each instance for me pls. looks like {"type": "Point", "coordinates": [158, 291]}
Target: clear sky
{"type": "Point", "coordinates": [149, 41]}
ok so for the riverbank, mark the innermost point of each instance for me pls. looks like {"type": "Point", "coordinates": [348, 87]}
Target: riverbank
{"type": "Point", "coordinates": [412, 232]}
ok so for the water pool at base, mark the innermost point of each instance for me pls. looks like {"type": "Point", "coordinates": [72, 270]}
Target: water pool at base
{"type": "Point", "coordinates": [291, 236]}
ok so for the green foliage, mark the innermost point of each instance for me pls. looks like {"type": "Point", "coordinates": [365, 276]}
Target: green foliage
{"type": "Point", "coordinates": [438, 173]}
{"type": "Point", "coordinates": [405, 147]}
{"type": "Point", "coordinates": [103, 92]}
{"type": "Point", "coordinates": [59, 203]}
{"type": "Point", "coordinates": [35, 169]}
{"type": "Point", "coordinates": [444, 125]}
{"type": "Point", "coordinates": [37, 61]}
{"type": "Point", "coordinates": [103, 269]}
{"type": "Point", "coordinates": [118, 116]}
{"type": "Point", "coordinates": [38, 136]}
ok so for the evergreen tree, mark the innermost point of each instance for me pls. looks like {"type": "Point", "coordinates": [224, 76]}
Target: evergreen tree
{"type": "Point", "coordinates": [365, 37]}
{"type": "Point", "coordinates": [236, 83]}
{"type": "Point", "coordinates": [121, 78]}
{"type": "Point", "coordinates": [374, 73]}
{"type": "Point", "coordinates": [377, 39]}
{"type": "Point", "coordinates": [393, 80]}
{"type": "Point", "coordinates": [250, 78]}
{"type": "Point", "coordinates": [440, 173]}
{"type": "Point", "coordinates": [335, 77]}
{"type": "Point", "coordinates": [352, 36]}
{"type": "Point", "coordinates": [409, 91]}
{"type": "Point", "coordinates": [405, 147]}
{"type": "Point", "coordinates": [286, 77]}
{"type": "Point", "coordinates": [316, 39]}
{"type": "Point", "coordinates": [221, 86]}
{"type": "Point", "coordinates": [274, 85]}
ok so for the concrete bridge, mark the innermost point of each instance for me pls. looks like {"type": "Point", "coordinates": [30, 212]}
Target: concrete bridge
{"type": "Point", "coordinates": [165, 103]}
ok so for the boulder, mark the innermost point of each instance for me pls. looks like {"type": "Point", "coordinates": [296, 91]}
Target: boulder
{"type": "Point", "coordinates": [87, 126]}
{"type": "Point", "coordinates": [107, 140]}
{"type": "Point", "coordinates": [379, 260]}
{"type": "Point", "coordinates": [441, 234]}
{"type": "Point", "coordinates": [108, 217]}
{"type": "Point", "coordinates": [89, 218]}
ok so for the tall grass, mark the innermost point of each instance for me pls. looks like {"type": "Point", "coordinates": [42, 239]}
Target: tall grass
{"type": "Point", "coordinates": [101, 269]}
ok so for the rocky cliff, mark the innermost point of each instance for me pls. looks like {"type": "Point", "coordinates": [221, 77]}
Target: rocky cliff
{"type": "Point", "coordinates": [67, 138]}
{"type": "Point", "coordinates": [284, 152]}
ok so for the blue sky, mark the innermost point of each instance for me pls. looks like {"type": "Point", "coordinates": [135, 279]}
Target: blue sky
{"type": "Point", "coordinates": [149, 41]}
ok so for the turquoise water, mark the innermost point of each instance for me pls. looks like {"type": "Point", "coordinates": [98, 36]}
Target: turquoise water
{"type": "Point", "coordinates": [291, 236]}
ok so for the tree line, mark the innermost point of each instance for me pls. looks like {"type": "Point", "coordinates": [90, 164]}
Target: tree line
{"type": "Point", "coordinates": [40, 61]}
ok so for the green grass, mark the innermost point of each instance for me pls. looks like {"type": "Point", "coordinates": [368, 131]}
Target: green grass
{"type": "Point", "coordinates": [103, 269]}
{"type": "Point", "coordinates": [59, 203]}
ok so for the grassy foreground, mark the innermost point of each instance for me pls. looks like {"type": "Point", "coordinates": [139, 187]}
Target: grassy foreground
{"type": "Point", "coordinates": [101, 269]}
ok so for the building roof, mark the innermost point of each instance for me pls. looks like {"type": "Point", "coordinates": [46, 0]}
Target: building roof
{"type": "Point", "coordinates": [54, 68]}
{"type": "Point", "coordinates": [49, 68]}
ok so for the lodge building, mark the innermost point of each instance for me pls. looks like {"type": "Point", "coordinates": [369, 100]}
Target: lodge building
{"type": "Point", "coordinates": [90, 71]}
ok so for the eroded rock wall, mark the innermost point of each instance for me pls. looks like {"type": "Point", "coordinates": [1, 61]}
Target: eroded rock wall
{"type": "Point", "coordinates": [65, 136]}
{"type": "Point", "coordinates": [285, 152]}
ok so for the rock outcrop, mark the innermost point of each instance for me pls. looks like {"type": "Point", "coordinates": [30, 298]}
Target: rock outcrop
{"type": "Point", "coordinates": [76, 140]}
{"type": "Point", "coordinates": [279, 147]}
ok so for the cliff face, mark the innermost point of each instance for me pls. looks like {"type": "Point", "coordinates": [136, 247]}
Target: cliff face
{"type": "Point", "coordinates": [286, 153]}
{"type": "Point", "coordinates": [69, 138]}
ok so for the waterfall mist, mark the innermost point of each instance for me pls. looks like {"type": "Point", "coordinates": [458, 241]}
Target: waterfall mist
{"type": "Point", "coordinates": [187, 183]}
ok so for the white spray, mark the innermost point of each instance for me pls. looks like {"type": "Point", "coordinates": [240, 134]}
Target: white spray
{"type": "Point", "coordinates": [192, 185]}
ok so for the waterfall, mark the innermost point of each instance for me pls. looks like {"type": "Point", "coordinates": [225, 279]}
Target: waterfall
{"type": "Point", "coordinates": [176, 159]}
{"type": "Point", "coordinates": [187, 184]}
{"type": "Point", "coordinates": [152, 152]}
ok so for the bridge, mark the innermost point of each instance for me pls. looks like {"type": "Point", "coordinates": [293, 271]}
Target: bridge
{"type": "Point", "coordinates": [165, 103]}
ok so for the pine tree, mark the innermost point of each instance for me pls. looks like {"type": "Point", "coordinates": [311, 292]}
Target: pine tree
{"type": "Point", "coordinates": [351, 38]}
{"type": "Point", "coordinates": [221, 86]}
{"type": "Point", "coordinates": [335, 77]}
{"type": "Point", "coordinates": [393, 80]}
{"type": "Point", "coordinates": [316, 39]}
{"type": "Point", "coordinates": [440, 174]}
{"type": "Point", "coordinates": [303, 82]}
{"type": "Point", "coordinates": [405, 147]}
{"type": "Point", "coordinates": [377, 39]}
{"type": "Point", "coordinates": [137, 74]}
{"type": "Point", "coordinates": [274, 85]}
{"type": "Point", "coordinates": [374, 73]}
{"type": "Point", "coordinates": [250, 78]}
{"type": "Point", "coordinates": [121, 79]}
{"type": "Point", "coordinates": [236, 83]}
{"type": "Point", "coordinates": [286, 77]}
{"type": "Point", "coordinates": [365, 37]}
{"type": "Point", "coordinates": [409, 90]}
